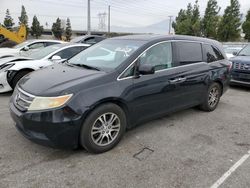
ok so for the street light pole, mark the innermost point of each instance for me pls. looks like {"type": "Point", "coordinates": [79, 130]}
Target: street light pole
{"type": "Point", "coordinates": [109, 20]}
{"type": "Point", "coordinates": [170, 24]}
{"type": "Point", "coordinates": [89, 21]}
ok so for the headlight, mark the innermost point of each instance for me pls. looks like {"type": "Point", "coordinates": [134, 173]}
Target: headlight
{"type": "Point", "coordinates": [6, 66]}
{"type": "Point", "coordinates": [44, 103]}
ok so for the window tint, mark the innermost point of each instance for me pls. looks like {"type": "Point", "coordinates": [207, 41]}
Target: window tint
{"type": "Point", "coordinates": [160, 56]}
{"type": "Point", "coordinates": [90, 40]}
{"type": "Point", "coordinates": [50, 43]}
{"type": "Point", "coordinates": [211, 54]}
{"type": "Point", "coordinates": [36, 45]}
{"type": "Point", "coordinates": [98, 39]}
{"type": "Point", "coordinates": [70, 52]}
{"type": "Point", "coordinates": [189, 52]}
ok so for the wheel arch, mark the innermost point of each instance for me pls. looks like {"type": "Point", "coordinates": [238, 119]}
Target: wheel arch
{"type": "Point", "coordinates": [119, 102]}
{"type": "Point", "coordinates": [218, 81]}
{"type": "Point", "coordinates": [12, 73]}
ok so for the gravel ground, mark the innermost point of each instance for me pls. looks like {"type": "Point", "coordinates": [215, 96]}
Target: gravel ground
{"type": "Point", "coordinates": [190, 148]}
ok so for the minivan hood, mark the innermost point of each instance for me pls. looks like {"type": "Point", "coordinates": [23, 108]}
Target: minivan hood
{"type": "Point", "coordinates": [241, 59]}
{"type": "Point", "coordinates": [57, 79]}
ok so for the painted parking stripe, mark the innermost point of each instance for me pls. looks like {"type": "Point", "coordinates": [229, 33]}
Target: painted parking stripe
{"type": "Point", "coordinates": [231, 170]}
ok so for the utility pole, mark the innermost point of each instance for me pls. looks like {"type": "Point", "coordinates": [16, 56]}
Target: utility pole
{"type": "Point", "coordinates": [102, 21]}
{"type": "Point", "coordinates": [170, 24]}
{"type": "Point", "coordinates": [89, 26]}
{"type": "Point", "coordinates": [109, 20]}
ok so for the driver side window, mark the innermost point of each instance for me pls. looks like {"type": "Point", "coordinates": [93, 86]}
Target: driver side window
{"type": "Point", "coordinates": [159, 56]}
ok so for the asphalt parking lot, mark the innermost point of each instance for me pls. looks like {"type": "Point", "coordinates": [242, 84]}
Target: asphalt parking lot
{"type": "Point", "coordinates": [190, 148]}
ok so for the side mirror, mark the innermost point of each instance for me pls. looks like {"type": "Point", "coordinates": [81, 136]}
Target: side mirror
{"type": "Point", "coordinates": [146, 69]}
{"type": "Point", "coordinates": [235, 53]}
{"type": "Point", "coordinates": [26, 48]}
{"type": "Point", "coordinates": [56, 58]}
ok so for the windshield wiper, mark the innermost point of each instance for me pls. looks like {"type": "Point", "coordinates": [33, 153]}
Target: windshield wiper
{"type": "Point", "coordinates": [87, 67]}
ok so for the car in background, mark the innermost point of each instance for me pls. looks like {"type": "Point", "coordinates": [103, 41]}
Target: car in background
{"type": "Point", "coordinates": [25, 48]}
{"type": "Point", "coordinates": [241, 68]}
{"type": "Point", "coordinates": [88, 39]}
{"type": "Point", "coordinates": [91, 101]}
{"type": "Point", "coordinates": [232, 51]}
{"type": "Point", "coordinates": [12, 69]}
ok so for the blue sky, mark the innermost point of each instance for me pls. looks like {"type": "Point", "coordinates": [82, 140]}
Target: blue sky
{"type": "Point", "coordinates": [126, 13]}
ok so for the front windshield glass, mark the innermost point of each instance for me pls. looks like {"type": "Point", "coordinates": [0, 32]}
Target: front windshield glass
{"type": "Point", "coordinates": [245, 51]}
{"type": "Point", "coordinates": [44, 52]}
{"type": "Point", "coordinates": [21, 45]}
{"type": "Point", "coordinates": [107, 55]}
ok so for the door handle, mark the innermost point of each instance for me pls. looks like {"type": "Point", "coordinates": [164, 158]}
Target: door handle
{"type": "Point", "coordinates": [177, 80]}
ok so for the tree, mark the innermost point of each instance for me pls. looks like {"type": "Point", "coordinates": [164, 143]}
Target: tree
{"type": "Point", "coordinates": [57, 30]}
{"type": "Point", "coordinates": [188, 22]}
{"type": "Point", "coordinates": [23, 19]}
{"type": "Point", "coordinates": [229, 27]}
{"type": "Point", "coordinates": [36, 28]}
{"type": "Point", "coordinates": [246, 26]}
{"type": "Point", "coordinates": [68, 30]}
{"type": "Point", "coordinates": [196, 20]}
{"type": "Point", "coordinates": [8, 20]}
{"type": "Point", "coordinates": [210, 21]}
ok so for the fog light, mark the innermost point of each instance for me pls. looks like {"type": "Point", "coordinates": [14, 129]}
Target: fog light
{"type": "Point", "coordinates": [1, 86]}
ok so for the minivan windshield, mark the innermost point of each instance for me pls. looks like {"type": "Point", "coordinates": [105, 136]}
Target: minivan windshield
{"type": "Point", "coordinates": [245, 51]}
{"type": "Point", "coordinates": [106, 55]}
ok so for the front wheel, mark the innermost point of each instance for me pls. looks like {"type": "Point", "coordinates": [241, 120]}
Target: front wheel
{"type": "Point", "coordinates": [103, 128]}
{"type": "Point", "coordinates": [212, 98]}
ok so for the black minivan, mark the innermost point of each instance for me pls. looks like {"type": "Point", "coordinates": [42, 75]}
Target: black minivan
{"type": "Point", "coordinates": [91, 99]}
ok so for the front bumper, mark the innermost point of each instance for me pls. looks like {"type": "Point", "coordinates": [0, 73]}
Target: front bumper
{"type": "Point", "coordinates": [4, 85]}
{"type": "Point", "coordinates": [240, 78]}
{"type": "Point", "coordinates": [58, 128]}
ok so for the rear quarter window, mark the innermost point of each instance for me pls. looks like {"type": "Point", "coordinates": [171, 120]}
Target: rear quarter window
{"type": "Point", "coordinates": [211, 53]}
{"type": "Point", "coordinates": [188, 52]}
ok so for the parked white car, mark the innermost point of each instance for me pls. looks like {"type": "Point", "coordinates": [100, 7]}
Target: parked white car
{"type": "Point", "coordinates": [25, 48]}
{"type": "Point", "coordinates": [12, 69]}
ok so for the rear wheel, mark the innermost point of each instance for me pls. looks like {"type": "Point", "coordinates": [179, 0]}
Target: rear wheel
{"type": "Point", "coordinates": [212, 98]}
{"type": "Point", "coordinates": [17, 77]}
{"type": "Point", "coordinates": [103, 128]}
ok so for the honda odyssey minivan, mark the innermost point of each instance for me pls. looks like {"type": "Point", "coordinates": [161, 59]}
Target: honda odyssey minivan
{"type": "Point", "coordinates": [92, 99]}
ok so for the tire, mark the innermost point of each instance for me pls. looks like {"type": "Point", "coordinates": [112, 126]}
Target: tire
{"type": "Point", "coordinates": [17, 77]}
{"type": "Point", "coordinates": [212, 98]}
{"type": "Point", "coordinates": [97, 137]}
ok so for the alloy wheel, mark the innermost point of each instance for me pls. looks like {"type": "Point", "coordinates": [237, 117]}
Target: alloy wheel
{"type": "Point", "coordinates": [213, 97]}
{"type": "Point", "coordinates": [105, 129]}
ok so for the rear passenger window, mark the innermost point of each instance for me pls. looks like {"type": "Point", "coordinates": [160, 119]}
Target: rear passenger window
{"type": "Point", "coordinates": [211, 54]}
{"type": "Point", "coordinates": [189, 52]}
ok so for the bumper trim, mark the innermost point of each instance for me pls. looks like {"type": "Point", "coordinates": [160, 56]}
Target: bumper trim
{"type": "Point", "coordinates": [232, 81]}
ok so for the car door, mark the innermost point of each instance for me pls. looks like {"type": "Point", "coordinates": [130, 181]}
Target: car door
{"type": "Point", "coordinates": [155, 94]}
{"type": "Point", "coordinates": [192, 71]}
{"type": "Point", "coordinates": [174, 84]}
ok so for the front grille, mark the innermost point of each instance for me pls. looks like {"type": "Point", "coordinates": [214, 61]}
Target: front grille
{"type": "Point", "coordinates": [22, 99]}
{"type": "Point", "coordinates": [242, 66]}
